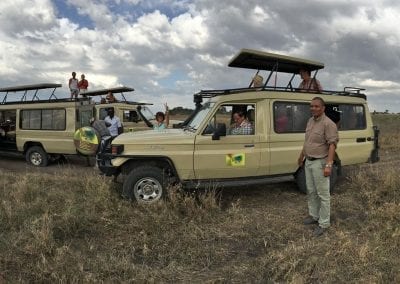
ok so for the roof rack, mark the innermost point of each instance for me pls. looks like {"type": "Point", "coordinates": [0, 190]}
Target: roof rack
{"type": "Point", "coordinates": [32, 87]}
{"type": "Point", "coordinates": [348, 91]}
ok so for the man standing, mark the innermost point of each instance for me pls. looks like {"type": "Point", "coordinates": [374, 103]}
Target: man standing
{"type": "Point", "coordinates": [115, 127]}
{"type": "Point", "coordinates": [317, 156]}
{"type": "Point", "coordinates": [73, 86]}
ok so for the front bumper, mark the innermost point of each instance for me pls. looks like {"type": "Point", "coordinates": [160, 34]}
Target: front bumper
{"type": "Point", "coordinates": [105, 166]}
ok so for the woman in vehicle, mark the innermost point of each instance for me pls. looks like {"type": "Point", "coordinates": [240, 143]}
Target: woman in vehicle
{"type": "Point", "coordinates": [162, 120]}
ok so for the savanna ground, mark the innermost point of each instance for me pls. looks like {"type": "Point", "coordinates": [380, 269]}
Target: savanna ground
{"type": "Point", "coordinates": [73, 227]}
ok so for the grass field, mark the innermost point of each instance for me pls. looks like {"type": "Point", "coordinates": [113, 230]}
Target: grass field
{"type": "Point", "coordinates": [74, 228]}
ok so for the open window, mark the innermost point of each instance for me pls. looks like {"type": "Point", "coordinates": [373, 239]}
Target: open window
{"type": "Point", "coordinates": [228, 114]}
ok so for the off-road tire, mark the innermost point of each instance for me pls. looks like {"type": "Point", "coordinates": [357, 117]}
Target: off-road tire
{"type": "Point", "coordinates": [37, 156]}
{"type": "Point", "coordinates": [145, 184]}
{"type": "Point", "coordinates": [300, 177]}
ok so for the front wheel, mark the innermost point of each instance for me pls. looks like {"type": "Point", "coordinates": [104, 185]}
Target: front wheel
{"type": "Point", "coordinates": [37, 156]}
{"type": "Point", "coordinates": [145, 184]}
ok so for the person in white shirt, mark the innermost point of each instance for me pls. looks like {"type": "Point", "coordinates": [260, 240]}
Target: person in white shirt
{"type": "Point", "coordinates": [73, 86]}
{"type": "Point", "coordinates": [115, 127]}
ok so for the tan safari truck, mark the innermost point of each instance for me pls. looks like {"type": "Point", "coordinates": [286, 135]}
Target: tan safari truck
{"type": "Point", "coordinates": [40, 129]}
{"type": "Point", "coordinates": [134, 116]}
{"type": "Point", "coordinates": [205, 153]}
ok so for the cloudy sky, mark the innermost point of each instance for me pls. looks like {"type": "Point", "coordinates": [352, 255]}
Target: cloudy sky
{"type": "Point", "coordinates": [167, 50]}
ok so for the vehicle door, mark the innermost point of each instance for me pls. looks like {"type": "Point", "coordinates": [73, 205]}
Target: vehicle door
{"type": "Point", "coordinates": [8, 130]}
{"type": "Point", "coordinates": [229, 155]}
{"type": "Point", "coordinates": [355, 138]}
{"type": "Point", "coordinates": [288, 125]}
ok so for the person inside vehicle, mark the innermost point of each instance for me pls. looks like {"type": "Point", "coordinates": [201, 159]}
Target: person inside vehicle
{"type": "Point", "coordinates": [241, 125]}
{"type": "Point", "coordinates": [308, 83]}
{"type": "Point", "coordinates": [162, 120]}
{"type": "Point", "coordinates": [281, 119]}
{"type": "Point", "coordinates": [115, 127]}
{"type": "Point", "coordinates": [258, 81]}
{"type": "Point", "coordinates": [111, 98]}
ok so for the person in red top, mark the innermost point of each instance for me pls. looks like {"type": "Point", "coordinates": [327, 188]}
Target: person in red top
{"type": "Point", "coordinates": [83, 84]}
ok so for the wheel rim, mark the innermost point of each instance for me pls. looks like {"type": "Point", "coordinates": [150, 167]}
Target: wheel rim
{"type": "Point", "coordinates": [147, 190]}
{"type": "Point", "coordinates": [36, 159]}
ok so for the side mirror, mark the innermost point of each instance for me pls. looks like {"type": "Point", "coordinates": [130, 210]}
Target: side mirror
{"type": "Point", "coordinates": [220, 131]}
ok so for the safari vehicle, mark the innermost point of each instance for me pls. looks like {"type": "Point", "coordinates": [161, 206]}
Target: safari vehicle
{"type": "Point", "coordinates": [40, 129]}
{"type": "Point", "coordinates": [204, 152]}
{"type": "Point", "coordinates": [134, 116]}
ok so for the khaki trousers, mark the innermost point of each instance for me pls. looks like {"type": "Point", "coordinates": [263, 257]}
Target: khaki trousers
{"type": "Point", "coordinates": [319, 199]}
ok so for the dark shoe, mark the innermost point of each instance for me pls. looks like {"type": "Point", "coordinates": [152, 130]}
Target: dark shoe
{"type": "Point", "coordinates": [319, 231]}
{"type": "Point", "coordinates": [310, 221]}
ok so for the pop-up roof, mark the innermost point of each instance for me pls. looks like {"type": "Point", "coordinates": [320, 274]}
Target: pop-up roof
{"type": "Point", "coordinates": [106, 91]}
{"type": "Point", "coordinates": [26, 88]}
{"type": "Point", "coordinates": [116, 90]}
{"type": "Point", "coordinates": [259, 60]}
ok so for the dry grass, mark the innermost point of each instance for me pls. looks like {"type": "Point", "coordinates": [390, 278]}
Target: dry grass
{"type": "Point", "coordinates": [74, 228]}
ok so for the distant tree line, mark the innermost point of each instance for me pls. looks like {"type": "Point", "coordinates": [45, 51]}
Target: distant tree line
{"type": "Point", "coordinates": [180, 110]}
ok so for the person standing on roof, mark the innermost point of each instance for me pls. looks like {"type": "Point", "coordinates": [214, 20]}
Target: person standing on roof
{"type": "Point", "coordinates": [308, 83]}
{"type": "Point", "coordinates": [73, 86]}
{"type": "Point", "coordinates": [83, 84]}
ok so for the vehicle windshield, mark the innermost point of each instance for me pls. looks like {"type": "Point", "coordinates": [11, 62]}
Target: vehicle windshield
{"type": "Point", "coordinates": [146, 112]}
{"type": "Point", "coordinates": [199, 117]}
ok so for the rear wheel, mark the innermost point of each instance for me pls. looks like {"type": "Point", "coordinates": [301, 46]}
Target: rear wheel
{"type": "Point", "coordinates": [146, 184]}
{"type": "Point", "coordinates": [37, 156]}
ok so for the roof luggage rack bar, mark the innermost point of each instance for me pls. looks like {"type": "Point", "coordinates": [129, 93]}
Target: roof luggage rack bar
{"type": "Point", "coordinates": [353, 90]}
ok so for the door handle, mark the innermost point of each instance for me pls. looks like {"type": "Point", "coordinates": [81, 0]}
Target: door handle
{"type": "Point", "coordinates": [361, 139]}
{"type": "Point", "coordinates": [248, 145]}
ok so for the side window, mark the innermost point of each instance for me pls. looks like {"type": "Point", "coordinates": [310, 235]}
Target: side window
{"type": "Point", "coordinates": [46, 119]}
{"type": "Point", "coordinates": [238, 119]}
{"type": "Point", "coordinates": [85, 116]}
{"type": "Point", "coordinates": [102, 113]}
{"type": "Point", "coordinates": [7, 120]}
{"type": "Point", "coordinates": [290, 117]}
{"type": "Point", "coordinates": [352, 117]}
{"type": "Point", "coordinates": [30, 119]}
{"type": "Point", "coordinates": [131, 116]}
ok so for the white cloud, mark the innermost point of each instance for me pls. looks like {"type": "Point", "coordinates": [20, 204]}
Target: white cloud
{"type": "Point", "coordinates": [148, 43]}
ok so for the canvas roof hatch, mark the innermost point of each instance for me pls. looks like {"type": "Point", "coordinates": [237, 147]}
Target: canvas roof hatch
{"type": "Point", "coordinates": [260, 60]}
{"type": "Point", "coordinates": [116, 90]}
{"type": "Point", "coordinates": [31, 87]}
{"type": "Point", "coordinates": [102, 92]}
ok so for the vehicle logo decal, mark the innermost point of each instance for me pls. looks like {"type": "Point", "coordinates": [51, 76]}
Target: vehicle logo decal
{"type": "Point", "coordinates": [236, 160]}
